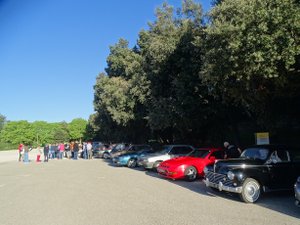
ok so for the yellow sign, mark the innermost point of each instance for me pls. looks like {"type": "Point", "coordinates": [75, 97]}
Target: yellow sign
{"type": "Point", "coordinates": [262, 138]}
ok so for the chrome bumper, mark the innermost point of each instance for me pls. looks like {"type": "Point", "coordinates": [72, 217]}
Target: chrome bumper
{"type": "Point", "coordinates": [221, 187]}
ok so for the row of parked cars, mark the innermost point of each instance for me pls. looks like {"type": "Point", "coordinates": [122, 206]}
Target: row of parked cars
{"type": "Point", "coordinates": [260, 168]}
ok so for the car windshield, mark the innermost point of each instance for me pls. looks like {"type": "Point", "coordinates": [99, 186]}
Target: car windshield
{"type": "Point", "coordinates": [165, 149]}
{"type": "Point", "coordinates": [199, 153]}
{"type": "Point", "coordinates": [255, 153]}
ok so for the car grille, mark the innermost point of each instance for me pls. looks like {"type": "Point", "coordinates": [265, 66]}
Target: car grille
{"type": "Point", "coordinates": [217, 177]}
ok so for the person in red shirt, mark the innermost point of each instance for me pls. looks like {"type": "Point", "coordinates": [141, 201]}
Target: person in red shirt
{"type": "Point", "coordinates": [20, 149]}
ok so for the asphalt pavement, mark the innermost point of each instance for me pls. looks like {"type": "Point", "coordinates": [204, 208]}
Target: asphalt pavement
{"type": "Point", "coordinates": [94, 192]}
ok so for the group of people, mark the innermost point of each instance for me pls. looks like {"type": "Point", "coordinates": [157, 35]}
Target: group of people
{"type": "Point", "coordinates": [57, 151]}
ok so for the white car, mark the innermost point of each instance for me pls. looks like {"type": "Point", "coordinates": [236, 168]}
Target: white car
{"type": "Point", "coordinates": [152, 161]}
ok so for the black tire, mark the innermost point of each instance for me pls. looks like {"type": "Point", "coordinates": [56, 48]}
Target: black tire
{"type": "Point", "coordinates": [156, 164]}
{"type": "Point", "coordinates": [132, 163]}
{"type": "Point", "coordinates": [251, 191]}
{"type": "Point", "coordinates": [105, 155]}
{"type": "Point", "coordinates": [191, 173]}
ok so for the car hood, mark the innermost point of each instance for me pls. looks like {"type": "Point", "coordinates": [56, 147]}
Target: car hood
{"type": "Point", "coordinates": [181, 161]}
{"type": "Point", "coordinates": [131, 154]}
{"type": "Point", "coordinates": [222, 166]}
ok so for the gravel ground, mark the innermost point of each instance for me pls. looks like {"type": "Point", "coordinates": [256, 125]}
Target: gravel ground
{"type": "Point", "coordinates": [87, 192]}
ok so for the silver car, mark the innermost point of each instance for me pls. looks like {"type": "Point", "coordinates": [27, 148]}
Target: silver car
{"type": "Point", "coordinates": [152, 161]}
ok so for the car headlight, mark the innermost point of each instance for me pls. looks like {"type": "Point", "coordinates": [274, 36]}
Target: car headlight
{"type": "Point", "coordinates": [230, 175]}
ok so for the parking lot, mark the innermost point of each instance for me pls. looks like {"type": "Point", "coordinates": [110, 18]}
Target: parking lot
{"type": "Point", "coordinates": [95, 192]}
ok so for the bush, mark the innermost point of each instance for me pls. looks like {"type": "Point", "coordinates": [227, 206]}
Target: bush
{"type": "Point", "coordinates": [7, 146]}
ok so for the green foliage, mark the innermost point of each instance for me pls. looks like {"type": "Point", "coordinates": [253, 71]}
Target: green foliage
{"type": "Point", "coordinates": [18, 132]}
{"type": "Point", "coordinates": [8, 146]}
{"type": "Point", "coordinates": [41, 132]}
{"type": "Point", "coordinates": [252, 52]}
{"type": "Point", "coordinates": [2, 121]}
{"type": "Point", "coordinates": [187, 80]}
{"type": "Point", "coordinates": [77, 128]}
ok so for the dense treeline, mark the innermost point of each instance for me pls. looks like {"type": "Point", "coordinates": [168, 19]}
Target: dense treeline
{"type": "Point", "coordinates": [201, 79]}
{"type": "Point", "coordinates": [41, 132]}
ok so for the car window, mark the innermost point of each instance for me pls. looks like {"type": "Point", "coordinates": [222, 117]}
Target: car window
{"type": "Point", "coordinates": [180, 150]}
{"type": "Point", "coordinates": [255, 153]}
{"type": "Point", "coordinates": [199, 153]}
{"type": "Point", "coordinates": [165, 149]}
{"type": "Point", "coordinates": [296, 156]}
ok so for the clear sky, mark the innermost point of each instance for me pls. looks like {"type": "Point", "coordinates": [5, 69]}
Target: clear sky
{"type": "Point", "coordinates": [52, 50]}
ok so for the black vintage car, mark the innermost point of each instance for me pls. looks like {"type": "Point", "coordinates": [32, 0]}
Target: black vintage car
{"type": "Point", "coordinates": [260, 168]}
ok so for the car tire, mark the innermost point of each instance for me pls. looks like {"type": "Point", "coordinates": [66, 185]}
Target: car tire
{"type": "Point", "coordinates": [131, 163]}
{"type": "Point", "coordinates": [105, 155]}
{"type": "Point", "coordinates": [190, 173]}
{"type": "Point", "coordinates": [156, 164]}
{"type": "Point", "coordinates": [251, 190]}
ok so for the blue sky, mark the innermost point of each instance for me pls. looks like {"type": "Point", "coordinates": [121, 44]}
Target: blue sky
{"type": "Point", "coordinates": [52, 50]}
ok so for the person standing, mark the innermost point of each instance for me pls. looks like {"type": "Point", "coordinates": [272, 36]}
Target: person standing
{"type": "Point", "coordinates": [72, 149]}
{"type": "Point", "coordinates": [46, 153]}
{"type": "Point", "coordinates": [89, 148]}
{"type": "Point", "coordinates": [75, 149]}
{"type": "Point", "coordinates": [231, 151]}
{"type": "Point", "coordinates": [39, 152]}
{"type": "Point", "coordinates": [85, 152]}
{"type": "Point", "coordinates": [21, 151]}
{"type": "Point", "coordinates": [26, 154]}
{"type": "Point", "coordinates": [61, 149]}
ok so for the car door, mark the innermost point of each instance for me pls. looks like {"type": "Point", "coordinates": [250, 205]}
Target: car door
{"type": "Point", "coordinates": [280, 168]}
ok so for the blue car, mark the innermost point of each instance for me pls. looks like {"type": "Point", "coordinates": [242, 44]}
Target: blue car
{"type": "Point", "coordinates": [130, 159]}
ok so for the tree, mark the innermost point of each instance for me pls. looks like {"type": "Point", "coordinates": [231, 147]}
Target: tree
{"type": "Point", "coordinates": [252, 57]}
{"type": "Point", "coordinates": [16, 132]}
{"type": "Point", "coordinates": [2, 121]}
{"type": "Point", "coordinates": [77, 128]}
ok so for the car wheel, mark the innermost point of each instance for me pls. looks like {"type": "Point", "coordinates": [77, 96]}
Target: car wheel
{"type": "Point", "coordinates": [131, 163]}
{"type": "Point", "coordinates": [191, 173]}
{"type": "Point", "coordinates": [155, 165]}
{"type": "Point", "coordinates": [106, 155]}
{"type": "Point", "coordinates": [250, 191]}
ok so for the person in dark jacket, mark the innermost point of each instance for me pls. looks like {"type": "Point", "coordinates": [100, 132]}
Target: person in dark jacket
{"type": "Point", "coordinates": [231, 151]}
{"type": "Point", "coordinates": [76, 149]}
{"type": "Point", "coordinates": [46, 153]}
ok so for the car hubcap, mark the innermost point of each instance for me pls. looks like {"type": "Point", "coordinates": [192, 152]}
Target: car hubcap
{"type": "Point", "coordinates": [132, 163]}
{"type": "Point", "coordinates": [252, 191]}
{"type": "Point", "coordinates": [191, 173]}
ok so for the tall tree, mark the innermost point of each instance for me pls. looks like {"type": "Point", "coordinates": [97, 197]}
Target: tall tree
{"type": "Point", "coordinates": [252, 56]}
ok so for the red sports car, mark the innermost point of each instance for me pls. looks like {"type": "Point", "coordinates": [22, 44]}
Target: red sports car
{"type": "Point", "coordinates": [190, 167]}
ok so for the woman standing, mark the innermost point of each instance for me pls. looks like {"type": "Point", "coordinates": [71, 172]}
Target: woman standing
{"type": "Point", "coordinates": [26, 154]}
